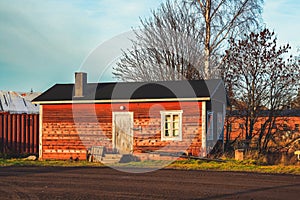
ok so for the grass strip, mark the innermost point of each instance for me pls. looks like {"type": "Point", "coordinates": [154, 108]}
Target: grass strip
{"type": "Point", "coordinates": [228, 165]}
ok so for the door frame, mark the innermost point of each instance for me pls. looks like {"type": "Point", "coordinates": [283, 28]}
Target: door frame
{"type": "Point", "coordinates": [114, 114]}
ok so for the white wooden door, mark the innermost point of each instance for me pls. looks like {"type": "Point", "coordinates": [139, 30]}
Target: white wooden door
{"type": "Point", "coordinates": [122, 132]}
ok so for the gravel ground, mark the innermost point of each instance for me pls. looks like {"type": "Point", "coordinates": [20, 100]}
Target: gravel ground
{"type": "Point", "coordinates": [107, 183]}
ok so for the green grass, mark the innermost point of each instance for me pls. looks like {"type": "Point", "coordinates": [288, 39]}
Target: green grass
{"type": "Point", "coordinates": [227, 165]}
{"type": "Point", "coordinates": [232, 165]}
{"type": "Point", "coordinates": [56, 163]}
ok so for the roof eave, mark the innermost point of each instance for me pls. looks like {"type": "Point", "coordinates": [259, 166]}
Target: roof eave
{"type": "Point", "coordinates": [123, 100]}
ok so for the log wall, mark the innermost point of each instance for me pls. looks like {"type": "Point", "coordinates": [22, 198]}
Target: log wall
{"type": "Point", "coordinates": [69, 130]}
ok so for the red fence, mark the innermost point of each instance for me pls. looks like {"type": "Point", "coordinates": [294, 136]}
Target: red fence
{"type": "Point", "coordinates": [19, 133]}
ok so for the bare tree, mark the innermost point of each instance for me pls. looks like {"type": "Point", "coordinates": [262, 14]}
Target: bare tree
{"type": "Point", "coordinates": [168, 47]}
{"type": "Point", "coordinates": [183, 39]}
{"type": "Point", "coordinates": [224, 19]}
{"type": "Point", "coordinates": [296, 101]}
{"type": "Point", "coordinates": [261, 82]}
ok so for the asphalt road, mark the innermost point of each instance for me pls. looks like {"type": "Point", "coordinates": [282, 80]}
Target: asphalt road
{"type": "Point", "coordinates": [107, 183]}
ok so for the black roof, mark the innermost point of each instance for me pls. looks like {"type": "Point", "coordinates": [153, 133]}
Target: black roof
{"type": "Point", "coordinates": [132, 90]}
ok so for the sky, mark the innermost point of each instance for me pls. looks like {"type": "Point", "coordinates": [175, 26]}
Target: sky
{"type": "Point", "coordinates": [44, 42]}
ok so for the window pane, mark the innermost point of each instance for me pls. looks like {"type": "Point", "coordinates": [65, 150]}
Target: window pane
{"type": "Point", "coordinates": [210, 134]}
{"type": "Point", "coordinates": [176, 125]}
{"type": "Point", "coordinates": [166, 132]}
{"type": "Point", "coordinates": [176, 118]}
{"type": "Point", "coordinates": [176, 132]}
{"type": "Point", "coordinates": [168, 118]}
{"type": "Point", "coordinates": [167, 125]}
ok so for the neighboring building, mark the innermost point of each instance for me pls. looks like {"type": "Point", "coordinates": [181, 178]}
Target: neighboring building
{"type": "Point", "coordinates": [16, 103]}
{"type": "Point", "coordinates": [285, 128]}
{"type": "Point", "coordinates": [130, 118]}
{"type": "Point", "coordinates": [18, 123]}
{"type": "Point", "coordinates": [290, 122]}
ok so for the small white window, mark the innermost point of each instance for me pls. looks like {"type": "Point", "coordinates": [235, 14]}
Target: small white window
{"type": "Point", "coordinates": [171, 125]}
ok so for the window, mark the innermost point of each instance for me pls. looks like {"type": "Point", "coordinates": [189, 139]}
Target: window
{"type": "Point", "coordinates": [171, 125]}
{"type": "Point", "coordinates": [220, 126]}
{"type": "Point", "coordinates": [285, 127]}
{"type": "Point", "coordinates": [210, 126]}
{"type": "Point", "coordinates": [296, 127]}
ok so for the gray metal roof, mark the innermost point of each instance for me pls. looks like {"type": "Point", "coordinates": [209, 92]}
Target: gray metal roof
{"type": "Point", "coordinates": [15, 103]}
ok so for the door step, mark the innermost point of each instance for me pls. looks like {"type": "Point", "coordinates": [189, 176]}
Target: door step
{"type": "Point", "coordinates": [111, 158]}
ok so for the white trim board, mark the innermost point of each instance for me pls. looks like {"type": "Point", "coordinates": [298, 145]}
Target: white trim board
{"type": "Point", "coordinates": [41, 133]}
{"type": "Point", "coordinates": [203, 119]}
{"type": "Point", "coordinates": [122, 100]}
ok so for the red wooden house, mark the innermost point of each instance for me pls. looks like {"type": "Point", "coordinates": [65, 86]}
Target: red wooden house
{"type": "Point", "coordinates": [130, 118]}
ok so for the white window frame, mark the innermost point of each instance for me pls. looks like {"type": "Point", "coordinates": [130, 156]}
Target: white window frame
{"type": "Point", "coordinates": [163, 127]}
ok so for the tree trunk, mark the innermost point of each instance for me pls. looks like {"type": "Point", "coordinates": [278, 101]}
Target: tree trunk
{"type": "Point", "coordinates": [207, 39]}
